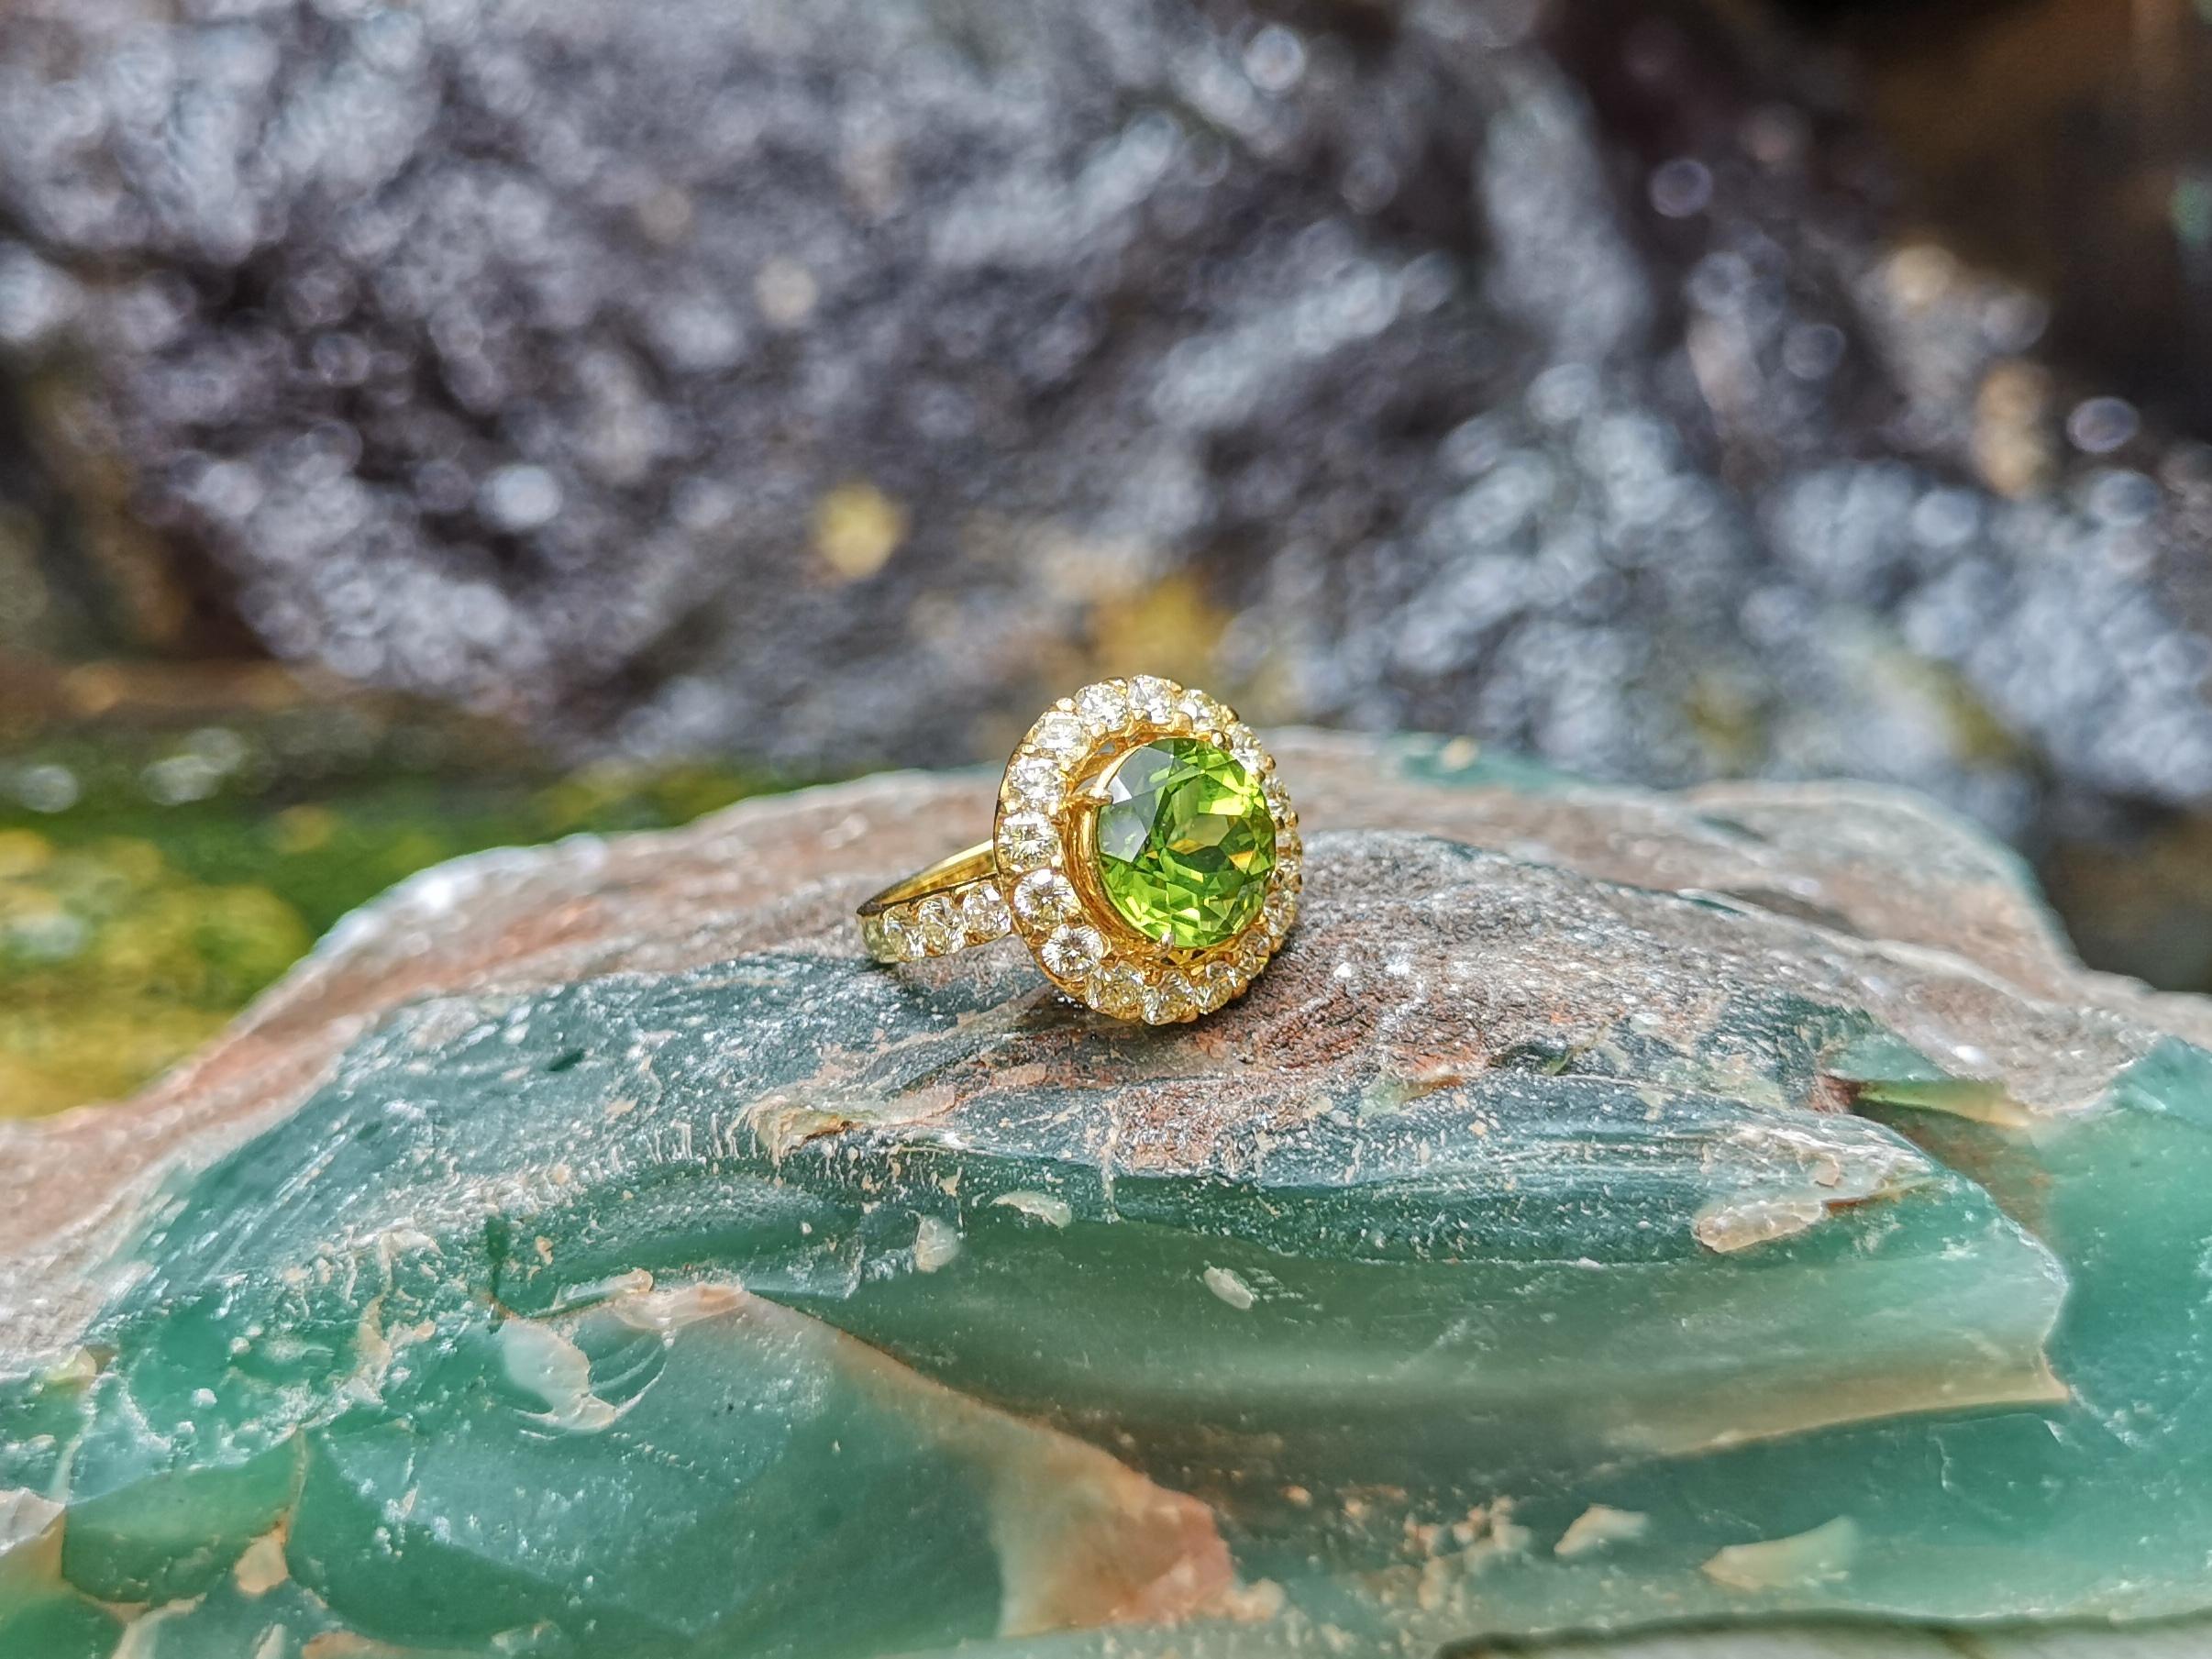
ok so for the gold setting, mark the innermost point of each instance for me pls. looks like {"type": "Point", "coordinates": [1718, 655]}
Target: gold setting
{"type": "Point", "coordinates": [1037, 876]}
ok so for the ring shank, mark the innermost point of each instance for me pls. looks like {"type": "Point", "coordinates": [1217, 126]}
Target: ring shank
{"type": "Point", "coordinates": [975, 863]}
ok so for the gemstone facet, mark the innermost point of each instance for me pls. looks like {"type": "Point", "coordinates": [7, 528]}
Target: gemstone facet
{"type": "Point", "coordinates": [1043, 895]}
{"type": "Point", "coordinates": [1074, 950]}
{"type": "Point", "coordinates": [1185, 843]}
{"type": "Point", "coordinates": [1027, 840]}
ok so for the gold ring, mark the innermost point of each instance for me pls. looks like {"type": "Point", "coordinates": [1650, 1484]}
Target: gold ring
{"type": "Point", "coordinates": [1144, 850]}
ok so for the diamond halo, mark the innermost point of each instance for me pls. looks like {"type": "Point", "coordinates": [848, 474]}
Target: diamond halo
{"type": "Point", "coordinates": [1057, 777]}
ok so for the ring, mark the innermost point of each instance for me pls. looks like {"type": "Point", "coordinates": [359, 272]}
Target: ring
{"type": "Point", "coordinates": [1144, 850]}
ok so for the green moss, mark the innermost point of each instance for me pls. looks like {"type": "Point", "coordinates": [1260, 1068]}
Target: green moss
{"type": "Point", "coordinates": [171, 877]}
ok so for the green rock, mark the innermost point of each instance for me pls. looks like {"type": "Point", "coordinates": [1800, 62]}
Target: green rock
{"type": "Point", "coordinates": [1716, 1209]}
{"type": "Point", "coordinates": [1185, 843]}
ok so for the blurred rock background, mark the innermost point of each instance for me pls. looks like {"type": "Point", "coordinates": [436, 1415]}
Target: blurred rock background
{"type": "Point", "coordinates": [406, 405]}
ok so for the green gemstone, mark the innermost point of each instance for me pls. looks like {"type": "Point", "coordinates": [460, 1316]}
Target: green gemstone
{"type": "Point", "coordinates": [1185, 843]}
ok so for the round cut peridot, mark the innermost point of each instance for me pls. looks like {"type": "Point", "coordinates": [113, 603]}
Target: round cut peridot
{"type": "Point", "coordinates": [1185, 843]}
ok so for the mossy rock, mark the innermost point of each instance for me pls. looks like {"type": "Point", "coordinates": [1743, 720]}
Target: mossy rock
{"type": "Point", "coordinates": [1610, 1210]}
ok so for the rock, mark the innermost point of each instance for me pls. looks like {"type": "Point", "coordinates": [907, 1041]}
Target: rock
{"type": "Point", "coordinates": [804, 380]}
{"type": "Point", "coordinates": [1611, 1209]}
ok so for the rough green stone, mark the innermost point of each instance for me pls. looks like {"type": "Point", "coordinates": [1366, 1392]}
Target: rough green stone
{"type": "Point", "coordinates": [1185, 843]}
{"type": "Point", "coordinates": [1724, 1208]}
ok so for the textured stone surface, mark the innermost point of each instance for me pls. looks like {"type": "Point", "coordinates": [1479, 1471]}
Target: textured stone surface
{"type": "Point", "coordinates": [841, 379]}
{"type": "Point", "coordinates": [1611, 1209]}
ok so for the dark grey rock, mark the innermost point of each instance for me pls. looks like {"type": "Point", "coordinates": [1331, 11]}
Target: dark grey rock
{"type": "Point", "coordinates": [512, 353]}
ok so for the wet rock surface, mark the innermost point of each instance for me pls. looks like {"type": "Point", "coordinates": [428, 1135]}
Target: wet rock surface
{"type": "Point", "coordinates": [1611, 1209]}
{"type": "Point", "coordinates": [833, 383]}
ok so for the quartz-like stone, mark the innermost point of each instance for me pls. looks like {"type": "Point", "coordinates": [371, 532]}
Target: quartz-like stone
{"type": "Point", "coordinates": [1719, 1208]}
{"type": "Point", "coordinates": [1185, 843]}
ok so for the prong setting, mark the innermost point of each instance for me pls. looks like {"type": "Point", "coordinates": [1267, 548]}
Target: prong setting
{"type": "Point", "coordinates": [1058, 904]}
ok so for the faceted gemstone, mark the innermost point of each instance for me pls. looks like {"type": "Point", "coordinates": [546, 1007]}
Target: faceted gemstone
{"type": "Point", "coordinates": [1151, 698]}
{"type": "Point", "coordinates": [1213, 983]}
{"type": "Point", "coordinates": [1025, 841]}
{"type": "Point", "coordinates": [1253, 949]}
{"type": "Point", "coordinates": [1243, 743]}
{"type": "Point", "coordinates": [983, 912]}
{"type": "Point", "coordinates": [1060, 734]}
{"type": "Point", "coordinates": [1035, 780]}
{"type": "Point", "coordinates": [1044, 894]}
{"type": "Point", "coordinates": [1074, 950]}
{"type": "Point", "coordinates": [1119, 990]}
{"type": "Point", "coordinates": [1200, 710]}
{"type": "Point", "coordinates": [1105, 705]}
{"type": "Point", "coordinates": [1185, 843]}
{"type": "Point", "coordinates": [937, 926]}
{"type": "Point", "coordinates": [1169, 998]}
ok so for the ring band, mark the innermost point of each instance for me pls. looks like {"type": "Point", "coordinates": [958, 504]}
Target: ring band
{"type": "Point", "coordinates": [902, 923]}
{"type": "Point", "coordinates": [1144, 850]}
